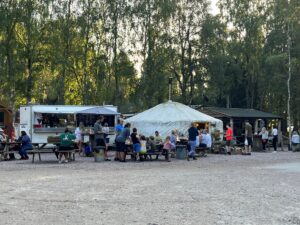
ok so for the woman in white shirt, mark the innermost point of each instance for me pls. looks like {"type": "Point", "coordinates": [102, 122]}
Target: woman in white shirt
{"type": "Point", "coordinates": [264, 137]}
{"type": "Point", "coordinates": [79, 139]}
{"type": "Point", "coordinates": [275, 138]}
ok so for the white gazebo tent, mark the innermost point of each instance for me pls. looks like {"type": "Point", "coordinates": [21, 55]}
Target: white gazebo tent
{"type": "Point", "coordinates": [169, 116]}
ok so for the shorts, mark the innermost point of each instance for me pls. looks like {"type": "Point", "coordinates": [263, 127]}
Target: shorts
{"type": "Point", "coordinates": [120, 146]}
{"type": "Point", "coordinates": [228, 143]}
{"type": "Point", "coordinates": [137, 147]}
{"type": "Point", "coordinates": [250, 142]}
{"type": "Point", "coordinates": [100, 142]}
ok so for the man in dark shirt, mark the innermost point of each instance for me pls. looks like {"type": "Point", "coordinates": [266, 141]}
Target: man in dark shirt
{"type": "Point", "coordinates": [193, 133]}
{"type": "Point", "coordinates": [99, 134]}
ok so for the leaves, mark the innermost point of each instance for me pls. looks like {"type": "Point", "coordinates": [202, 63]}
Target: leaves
{"type": "Point", "coordinates": [124, 52]}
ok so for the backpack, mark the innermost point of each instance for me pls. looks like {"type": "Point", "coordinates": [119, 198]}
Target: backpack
{"type": "Point", "coordinates": [88, 150]}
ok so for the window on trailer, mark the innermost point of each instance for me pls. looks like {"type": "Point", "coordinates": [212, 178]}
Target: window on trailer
{"type": "Point", "coordinates": [53, 120]}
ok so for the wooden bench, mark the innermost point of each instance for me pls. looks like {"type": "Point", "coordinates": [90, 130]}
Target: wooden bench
{"type": "Point", "coordinates": [201, 151]}
{"type": "Point", "coordinates": [51, 150]}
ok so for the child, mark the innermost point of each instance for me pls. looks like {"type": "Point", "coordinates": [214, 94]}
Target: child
{"type": "Point", "coordinates": [167, 148]}
{"type": "Point", "coordinates": [136, 143]}
{"type": "Point", "coordinates": [143, 147]}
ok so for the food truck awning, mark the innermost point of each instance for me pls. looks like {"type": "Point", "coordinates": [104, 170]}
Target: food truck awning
{"type": "Point", "coordinates": [98, 111]}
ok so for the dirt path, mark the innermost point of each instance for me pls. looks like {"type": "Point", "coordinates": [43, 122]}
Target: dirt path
{"type": "Point", "coordinates": [260, 189]}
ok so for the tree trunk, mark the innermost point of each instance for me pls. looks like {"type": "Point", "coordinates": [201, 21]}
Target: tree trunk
{"type": "Point", "coordinates": [85, 84]}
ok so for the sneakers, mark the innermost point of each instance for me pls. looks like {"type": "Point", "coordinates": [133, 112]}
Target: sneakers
{"type": "Point", "coordinates": [59, 161]}
{"type": "Point", "coordinates": [66, 161]}
{"type": "Point", "coordinates": [194, 158]}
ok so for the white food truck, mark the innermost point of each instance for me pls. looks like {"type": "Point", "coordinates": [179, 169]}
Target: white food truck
{"type": "Point", "coordinates": [42, 121]}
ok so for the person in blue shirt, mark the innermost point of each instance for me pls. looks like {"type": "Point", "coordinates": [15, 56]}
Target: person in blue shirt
{"type": "Point", "coordinates": [118, 129]}
{"type": "Point", "coordinates": [193, 133]}
{"type": "Point", "coordinates": [120, 142]}
{"type": "Point", "coordinates": [25, 145]}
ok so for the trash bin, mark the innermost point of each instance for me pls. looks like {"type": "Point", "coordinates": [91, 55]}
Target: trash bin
{"type": "Point", "coordinates": [99, 154]}
{"type": "Point", "coordinates": [181, 152]}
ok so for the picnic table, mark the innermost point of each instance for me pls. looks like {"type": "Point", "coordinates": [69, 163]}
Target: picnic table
{"type": "Point", "coordinates": [37, 148]}
{"type": "Point", "coordinates": [10, 148]}
{"type": "Point", "coordinates": [147, 155]}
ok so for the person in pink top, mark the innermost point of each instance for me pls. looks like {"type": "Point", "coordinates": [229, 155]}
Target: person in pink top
{"type": "Point", "coordinates": [167, 148]}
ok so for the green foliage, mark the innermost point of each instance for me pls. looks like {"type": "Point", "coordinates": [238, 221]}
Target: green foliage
{"type": "Point", "coordinates": [123, 52]}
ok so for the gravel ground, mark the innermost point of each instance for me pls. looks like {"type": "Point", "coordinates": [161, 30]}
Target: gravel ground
{"type": "Point", "coordinates": [260, 189]}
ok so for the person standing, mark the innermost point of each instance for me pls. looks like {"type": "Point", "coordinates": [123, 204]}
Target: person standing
{"type": "Point", "coordinates": [248, 137]}
{"type": "Point", "coordinates": [106, 132]}
{"type": "Point", "coordinates": [207, 139]}
{"type": "Point", "coordinates": [100, 136]}
{"type": "Point", "coordinates": [167, 146]}
{"type": "Point", "coordinates": [79, 139]}
{"type": "Point", "coordinates": [173, 139]}
{"type": "Point", "coordinates": [120, 141]}
{"type": "Point", "coordinates": [228, 136]}
{"type": "Point", "coordinates": [264, 137]}
{"type": "Point", "coordinates": [136, 143]}
{"type": "Point", "coordinates": [193, 133]}
{"type": "Point", "coordinates": [275, 138]}
{"type": "Point", "coordinates": [118, 129]}
{"type": "Point", "coordinates": [25, 145]}
{"type": "Point", "coordinates": [295, 141]}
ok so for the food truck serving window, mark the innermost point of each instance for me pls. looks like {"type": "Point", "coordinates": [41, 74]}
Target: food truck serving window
{"type": "Point", "coordinates": [49, 120]}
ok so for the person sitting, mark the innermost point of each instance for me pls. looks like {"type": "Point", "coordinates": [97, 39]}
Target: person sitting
{"type": "Point", "coordinates": [143, 150]}
{"type": "Point", "coordinates": [67, 141]}
{"type": "Point", "coordinates": [295, 141]}
{"type": "Point", "coordinates": [25, 145]}
{"type": "Point", "coordinates": [157, 138]}
{"type": "Point", "coordinates": [151, 144]}
{"type": "Point", "coordinates": [167, 148]}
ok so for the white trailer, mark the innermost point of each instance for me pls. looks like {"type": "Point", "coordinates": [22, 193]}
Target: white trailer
{"type": "Point", "coordinates": [42, 121]}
